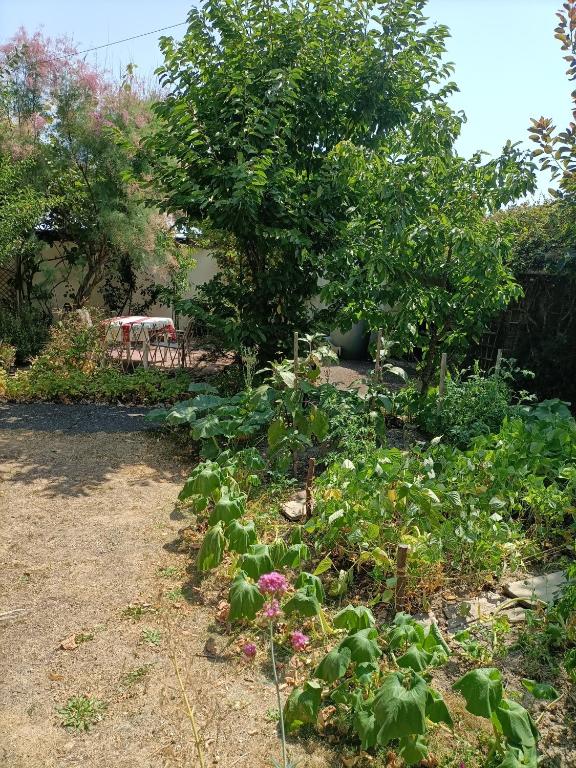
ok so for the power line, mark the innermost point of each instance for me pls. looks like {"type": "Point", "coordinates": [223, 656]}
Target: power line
{"type": "Point", "coordinates": [127, 39]}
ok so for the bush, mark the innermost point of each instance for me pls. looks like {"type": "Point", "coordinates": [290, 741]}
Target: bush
{"type": "Point", "coordinates": [26, 330]}
{"type": "Point", "coordinates": [472, 406]}
{"type": "Point", "coordinates": [7, 356]}
{"type": "Point", "coordinates": [75, 366]}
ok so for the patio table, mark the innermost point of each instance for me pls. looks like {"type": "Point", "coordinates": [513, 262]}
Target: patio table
{"type": "Point", "coordinates": [133, 324]}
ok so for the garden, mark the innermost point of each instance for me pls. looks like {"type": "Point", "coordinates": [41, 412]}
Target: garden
{"type": "Point", "coordinates": [378, 559]}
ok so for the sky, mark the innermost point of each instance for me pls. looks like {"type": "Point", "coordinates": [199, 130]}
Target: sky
{"type": "Point", "coordinates": [509, 67]}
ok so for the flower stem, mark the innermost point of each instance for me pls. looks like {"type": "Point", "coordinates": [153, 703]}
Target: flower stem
{"type": "Point", "coordinates": [282, 734]}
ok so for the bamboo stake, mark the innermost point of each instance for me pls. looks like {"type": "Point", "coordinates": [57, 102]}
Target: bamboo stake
{"type": "Point", "coordinates": [296, 362]}
{"type": "Point", "coordinates": [498, 361]}
{"type": "Point", "coordinates": [309, 481]}
{"type": "Point", "coordinates": [442, 383]}
{"type": "Point", "coordinates": [378, 367]}
{"type": "Point", "coordinates": [401, 558]}
{"type": "Point", "coordinates": [145, 347]}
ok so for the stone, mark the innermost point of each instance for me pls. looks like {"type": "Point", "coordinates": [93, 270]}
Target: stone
{"type": "Point", "coordinates": [544, 588]}
{"type": "Point", "coordinates": [295, 508]}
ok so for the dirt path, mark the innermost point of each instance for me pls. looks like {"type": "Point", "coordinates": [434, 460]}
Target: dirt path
{"type": "Point", "coordinates": [90, 545]}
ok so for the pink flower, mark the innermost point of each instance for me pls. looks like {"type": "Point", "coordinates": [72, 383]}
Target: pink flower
{"type": "Point", "coordinates": [299, 640]}
{"type": "Point", "coordinates": [273, 583]}
{"type": "Point", "coordinates": [272, 609]}
{"type": "Point", "coordinates": [249, 650]}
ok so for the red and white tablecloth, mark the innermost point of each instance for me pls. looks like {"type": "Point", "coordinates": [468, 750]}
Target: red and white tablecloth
{"type": "Point", "coordinates": [137, 322]}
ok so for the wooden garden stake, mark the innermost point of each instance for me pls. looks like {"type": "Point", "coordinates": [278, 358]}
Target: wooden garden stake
{"type": "Point", "coordinates": [401, 558]}
{"type": "Point", "coordinates": [295, 358]}
{"type": "Point", "coordinates": [442, 384]}
{"type": "Point", "coordinates": [145, 347]}
{"type": "Point", "coordinates": [498, 361]}
{"type": "Point", "coordinates": [309, 480]}
{"type": "Point", "coordinates": [378, 367]}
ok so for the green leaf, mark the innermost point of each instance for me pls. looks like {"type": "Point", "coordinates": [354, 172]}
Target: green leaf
{"type": "Point", "coordinates": [364, 724]}
{"type": "Point", "coordinates": [436, 709]}
{"type": "Point", "coordinates": [276, 433]}
{"type": "Point", "coordinates": [201, 387]}
{"type": "Point", "coordinates": [434, 640]}
{"type": "Point", "coordinates": [302, 706]}
{"type": "Point", "coordinates": [354, 617]}
{"type": "Point", "coordinates": [319, 423]}
{"type": "Point", "coordinates": [482, 689]}
{"type": "Point", "coordinates": [415, 658]}
{"type": "Point", "coordinates": [400, 707]}
{"type": "Point", "coordinates": [324, 565]}
{"type": "Point", "coordinates": [204, 481]}
{"type": "Point", "coordinates": [363, 645]}
{"type": "Point", "coordinates": [519, 758]}
{"type": "Point", "coordinates": [295, 555]}
{"type": "Point", "coordinates": [228, 507]}
{"type": "Point", "coordinates": [302, 603]}
{"type": "Point", "coordinates": [245, 598]}
{"type": "Point", "coordinates": [240, 537]}
{"type": "Point", "coordinates": [256, 561]}
{"type": "Point", "coordinates": [334, 665]}
{"type": "Point", "coordinates": [212, 549]}
{"type": "Point", "coordinates": [277, 550]}
{"type": "Point", "coordinates": [313, 584]}
{"type": "Point", "coordinates": [517, 725]}
{"type": "Point", "coordinates": [541, 691]}
{"type": "Point", "coordinates": [412, 749]}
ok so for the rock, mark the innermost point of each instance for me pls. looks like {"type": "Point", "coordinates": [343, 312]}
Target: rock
{"type": "Point", "coordinates": [467, 612]}
{"type": "Point", "coordinates": [295, 508]}
{"type": "Point", "coordinates": [545, 588]}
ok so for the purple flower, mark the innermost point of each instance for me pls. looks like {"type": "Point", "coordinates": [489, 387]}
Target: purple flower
{"type": "Point", "coordinates": [273, 583]}
{"type": "Point", "coordinates": [299, 640]}
{"type": "Point", "coordinates": [249, 650]}
{"type": "Point", "coordinates": [272, 609]}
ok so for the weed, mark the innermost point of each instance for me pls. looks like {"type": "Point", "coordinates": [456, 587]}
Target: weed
{"type": "Point", "coordinates": [151, 636]}
{"type": "Point", "coordinates": [136, 675]}
{"type": "Point", "coordinates": [135, 611]}
{"type": "Point", "coordinates": [82, 712]}
{"type": "Point", "coordinates": [169, 572]}
{"type": "Point", "coordinates": [175, 594]}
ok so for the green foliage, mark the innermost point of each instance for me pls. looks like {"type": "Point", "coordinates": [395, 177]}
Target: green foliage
{"type": "Point", "coordinates": [473, 404]}
{"type": "Point", "coordinates": [470, 513]}
{"type": "Point", "coordinates": [422, 260]}
{"type": "Point", "coordinates": [245, 598]}
{"type": "Point", "coordinates": [212, 549]}
{"type": "Point", "coordinates": [27, 330]}
{"type": "Point", "coordinates": [259, 97]}
{"type": "Point", "coordinates": [378, 703]}
{"type": "Point", "coordinates": [543, 237]}
{"type": "Point", "coordinates": [82, 712]}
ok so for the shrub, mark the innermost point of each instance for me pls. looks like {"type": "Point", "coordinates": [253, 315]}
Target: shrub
{"type": "Point", "coordinates": [26, 330]}
{"type": "Point", "coordinates": [7, 356]}
{"type": "Point", "coordinates": [472, 405]}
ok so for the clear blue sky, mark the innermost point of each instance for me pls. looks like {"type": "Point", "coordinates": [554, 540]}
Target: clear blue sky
{"type": "Point", "coordinates": [509, 67]}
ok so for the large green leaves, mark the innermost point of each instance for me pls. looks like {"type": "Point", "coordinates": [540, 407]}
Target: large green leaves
{"type": "Point", "coordinates": [436, 709]}
{"type": "Point", "coordinates": [400, 706]}
{"type": "Point", "coordinates": [517, 725]}
{"type": "Point", "coordinates": [363, 645]}
{"type": "Point", "coordinates": [240, 537]}
{"type": "Point", "coordinates": [303, 602]}
{"type": "Point", "coordinates": [302, 705]}
{"type": "Point", "coordinates": [354, 617]}
{"type": "Point", "coordinates": [245, 598]}
{"type": "Point", "coordinates": [256, 561]}
{"type": "Point", "coordinates": [228, 507]}
{"type": "Point", "coordinates": [204, 481]}
{"type": "Point", "coordinates": [482, 689]}
{"type": "Point", "coordinates": [334, 665]}
{"type": "Point", "coordinates": [311, 583]}
{"type": "Point", "coordinates": [212, 549]}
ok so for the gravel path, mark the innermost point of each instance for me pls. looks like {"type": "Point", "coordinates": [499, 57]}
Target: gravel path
{"type": "Point", "coordinates": [73, 419]}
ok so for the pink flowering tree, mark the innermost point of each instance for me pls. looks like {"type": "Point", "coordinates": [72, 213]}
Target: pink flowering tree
{"type": "Point", "coordinates": [78, 131]}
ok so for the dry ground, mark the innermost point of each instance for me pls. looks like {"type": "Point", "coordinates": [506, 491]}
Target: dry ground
{"type": "Point", "coordinates": [90, 544]}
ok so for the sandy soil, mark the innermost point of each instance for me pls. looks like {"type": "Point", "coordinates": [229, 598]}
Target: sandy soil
{"type": "Point", "coordinates": [90, 544]}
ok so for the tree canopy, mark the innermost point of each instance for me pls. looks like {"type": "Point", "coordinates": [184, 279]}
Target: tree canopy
{"type": "Point", "coordinates": [259, 95]}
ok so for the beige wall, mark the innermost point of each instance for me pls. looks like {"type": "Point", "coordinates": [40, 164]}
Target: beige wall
{"type": "Point", "coordinates": [66, 283]}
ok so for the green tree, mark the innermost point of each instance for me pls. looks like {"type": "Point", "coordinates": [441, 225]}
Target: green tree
{"type": "Point", "coordinates": [543, 236]}
{"type": "Point", "coordinates": [259, 95]}
{"type": "Point", "coordinates": [421, 259]}
{"type": "Point", "coordinates": [557, 149]}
